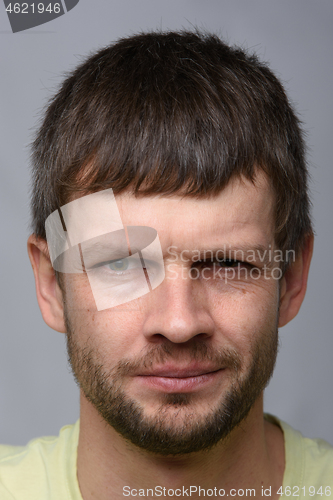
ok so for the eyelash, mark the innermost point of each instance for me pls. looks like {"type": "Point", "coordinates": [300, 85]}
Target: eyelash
{"type": "Point", "coordinates": [233, 263]}
{"type": "Point", "coordinates": [132, 268]}
{"type": "Point", "coordinates": [107, 263]}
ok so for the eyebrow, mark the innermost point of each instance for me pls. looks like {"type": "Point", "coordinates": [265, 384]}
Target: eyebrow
{"type": "Point", "coordinates": [97, 250]}
{"type": "Point", "coordinates": [259, 253]}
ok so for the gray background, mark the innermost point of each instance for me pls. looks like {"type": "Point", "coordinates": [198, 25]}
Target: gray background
{"type": "Point", "coordinates": [37, 393]}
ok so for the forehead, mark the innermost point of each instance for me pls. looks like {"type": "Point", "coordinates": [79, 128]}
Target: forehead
{"type": "Point", "coordinates": [243, 211]}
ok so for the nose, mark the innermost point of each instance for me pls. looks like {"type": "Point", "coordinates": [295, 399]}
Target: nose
{"type": "Point", "coordinates": [178, 312]}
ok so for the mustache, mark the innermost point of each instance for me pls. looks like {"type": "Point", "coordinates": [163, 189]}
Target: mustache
{"type": "Point", "coordinates": [197, 352]}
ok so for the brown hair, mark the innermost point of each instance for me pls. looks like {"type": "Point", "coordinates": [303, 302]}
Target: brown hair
{"type": "Point", "coordinates": [171, 113]}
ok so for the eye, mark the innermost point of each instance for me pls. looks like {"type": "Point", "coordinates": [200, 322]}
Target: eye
{"type": "Point", "coordinates": [228, 263]}
{"type": "Point", "coordinates": [118, 265]}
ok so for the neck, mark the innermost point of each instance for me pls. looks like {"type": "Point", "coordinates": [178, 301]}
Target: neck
{"type": "Point", "coordinates": [252, 457]}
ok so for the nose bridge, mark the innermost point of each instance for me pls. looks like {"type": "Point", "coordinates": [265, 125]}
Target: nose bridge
{"type": "Point", "coordinates": [177, 311]}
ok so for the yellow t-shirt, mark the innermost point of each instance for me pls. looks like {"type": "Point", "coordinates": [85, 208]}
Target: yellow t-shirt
{"type": "Point", "coordinates": [45, 469]}
{"type": "Point", "coordinates": [309, 466]}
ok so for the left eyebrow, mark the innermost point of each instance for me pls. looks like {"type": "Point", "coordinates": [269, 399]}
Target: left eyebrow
{"type": "Point", "coordinates": [97, 251]}
{"type": "Point", "coordinates": [258, 253]}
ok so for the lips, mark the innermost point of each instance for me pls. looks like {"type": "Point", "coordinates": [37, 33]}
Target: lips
{"type": "Point", "coordinates": [174, 379]}
{"type": "Point", "coordinates": [170, 371]}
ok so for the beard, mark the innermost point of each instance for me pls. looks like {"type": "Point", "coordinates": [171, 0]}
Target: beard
{"type": "Point", "coordinates": [175, 428]}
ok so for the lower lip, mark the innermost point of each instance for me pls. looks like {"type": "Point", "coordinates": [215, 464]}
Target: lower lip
{"type": "Point", "coordinates": [176, 384]}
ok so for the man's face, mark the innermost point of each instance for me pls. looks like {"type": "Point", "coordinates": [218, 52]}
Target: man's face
{"type": "Point", "coordinates": [175, 370]}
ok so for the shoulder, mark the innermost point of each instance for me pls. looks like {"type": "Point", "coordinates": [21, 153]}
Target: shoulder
{"type": "Point", "coordinates": [308, 462]}
{"type": "Point", "coordinates": [44, 466]}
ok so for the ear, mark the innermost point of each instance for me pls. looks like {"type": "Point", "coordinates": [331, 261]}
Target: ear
{"type": "Point", "coordinates": [294, 282]}
{"type": "Point", "coordinates": [49, 295]}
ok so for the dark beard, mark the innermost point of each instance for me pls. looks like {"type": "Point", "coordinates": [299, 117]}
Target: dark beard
{"type": "Point", "coordinates": [157, 434]}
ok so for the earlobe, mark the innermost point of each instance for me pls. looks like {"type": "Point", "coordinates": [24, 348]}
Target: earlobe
{"type": "Point", "coordinates": [49, 295]}
{"type": "Point", "coordinates": [293, 284]}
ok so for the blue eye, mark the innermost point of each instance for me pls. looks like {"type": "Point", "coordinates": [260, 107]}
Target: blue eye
{"type": "Point", "coordinates": [118, 265]}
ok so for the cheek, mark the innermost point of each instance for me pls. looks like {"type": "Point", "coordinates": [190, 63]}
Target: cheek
{"type": "Point", "coordinates": [78, 295]}
{"type": "Point", "coordinates": [243, 313]}
{"type": "Point", "coordinates": [111, 333]}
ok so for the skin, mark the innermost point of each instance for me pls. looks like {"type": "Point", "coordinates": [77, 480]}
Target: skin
{"type": "Point", "coordinates": [179, 313]}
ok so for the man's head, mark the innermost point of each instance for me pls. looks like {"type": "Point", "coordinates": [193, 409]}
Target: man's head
{"type": "Point", "coordinates": [198, 141]}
